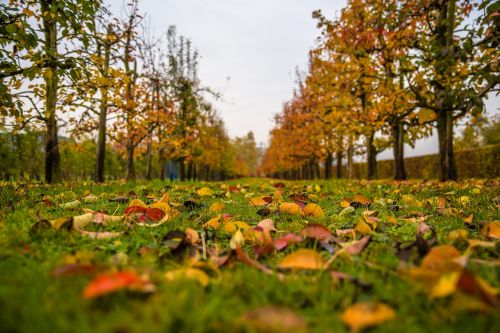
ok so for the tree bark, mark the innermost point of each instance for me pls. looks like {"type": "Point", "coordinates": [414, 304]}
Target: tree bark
{"type": "Point", "coordinates": [182, 170]}
{"type": "Point", "coordinates": [328, 165]}
{"type": "Point", "coordinates": [398, 149]}
{"type": "Point", "coordinates": [103, 113]}
{"type": "Point", "coordinates": [371, 156]}
{"type": "Point", "coordinates": [445, 61]}
{"type": "Point", "coordinates": [149, 158]}
{"type": "Point", "coordinates": [130, 162]}
{"type": "Point", "coordinates": [448, 169]}
{"type": "Point", "coordinates": [350, 155]}
{"type": "Point", "coordinates": [52, 156]}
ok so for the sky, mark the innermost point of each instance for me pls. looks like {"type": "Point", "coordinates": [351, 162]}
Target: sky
{"type": "Point", "coordinates": [249, 52]}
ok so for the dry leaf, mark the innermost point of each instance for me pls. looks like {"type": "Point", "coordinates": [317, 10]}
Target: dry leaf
{"type": "Point", "coordinates": [290, 208]}
{"type": "Point", "coordinates": [188, 273]}
{"type": "Point", "coordinates": [302, 259]}
{"type": "Point", "coordinates": [216, 207]}
{"type": "Point", "coordinates": [313, 209]}
{"type": "Point", "coordinates": [204, 191]}
{"type": "Point", "coordinates": [491, 230]}
{"type": "Point", "coordinates": [111, 282]}
{"type": "Point", "coordinates": [274, 320]}
{"type": "Point", "coordinates": [362, 315]}
{"type": "Point", "coordinates": [259, 201]}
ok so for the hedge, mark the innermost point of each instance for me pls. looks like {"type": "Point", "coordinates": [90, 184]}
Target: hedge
{"type": "Point", "coordinates": [481, 162]}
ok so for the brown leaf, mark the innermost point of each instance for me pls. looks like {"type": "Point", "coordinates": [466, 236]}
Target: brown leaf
{"type": "Point", "coordinates": [316, 231]}
{"type": "Point", "coordinates": [274, 320]}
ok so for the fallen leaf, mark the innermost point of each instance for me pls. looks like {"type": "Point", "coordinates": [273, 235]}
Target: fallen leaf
{"type": "Point", "coordinates": [491, 230]}
{"type": "Point", "coordinates": [302, 259]}
{"type": "Point", "coordinates": [258, 201]}
{"type": "Point", "coordinates": [362, 315]}
{"type": "Point", "coordinates": [290, 208]}
{"type": "Point", "coordinates": [267, 225]}
{"type": "Point", "coordinates": [204, 191]}
{"type": "Point", "coordinates": [274, 320]}
{"type": "Point", "coordinates": [355, 247]}
{"type": "Point", "coordinates": [316, 231]}
{"type": "Point", "coordinates": [347, 211]}
{"type": "Point", "coordinates": [236, 240]}
{"type": "Point", "coordinates": [188, 273]}
{"type": "Point", "coordinates": [313, 209]}
{"type": "Point", "coordinates": [192, 236]}
{"type": "Point", "coordinates": [111, 282]}
{"type": "Point", "coordinates": [216, 207]}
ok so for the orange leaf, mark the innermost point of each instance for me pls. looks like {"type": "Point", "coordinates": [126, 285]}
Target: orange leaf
{"type": "Point", "coordinates": [313, 209]}
{"type": "Point", "coordinates": [361, 315]}
{"type": "Point", "coordinates": [110, 282]}
{"type": "Point", "coordinates": [302, 259]}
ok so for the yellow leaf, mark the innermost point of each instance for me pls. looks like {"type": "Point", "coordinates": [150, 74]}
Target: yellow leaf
{"type": "Point", "coordinates": [81, 221]}
{"type": "Point", "coordinates": [137, 203]}
{"type": "Point", "coordinates": [258, 201]}
{"type": "Point", "coordinates": [165, 198]}
{"type": "Point", "coordinates": [204, 191]}
{"type": "Point", "coordinates": [464, 200]}
{"type": "Point", "coordinates": [216, 207]}
{"type": "Point", "coordinates": [213, 223]}
{"type": "Point", "coordinates": [446, 285]}
{"type": "Point", "coordinates": [237, 240]}
{"type": "Point", "coordinates": [345, 204]}
{"type": "Point", "coordinates": [290, 208]}
{"type": "Point", "coordinates": [459, 234]}
{"type": "Point", "coordinates": [188, 273]}
{"type": "Point", "coordinates": [232, 227]}
{"type": "Point", "coordinates": [302, 259]}
{"type": "Point", "coordinates": [363, 227]}
{"type": "Point", "coordinates": [161, 205]}
{"type": "Point", "coordinates": [313, 210]}
{"type": "Point", "coordinates": [362, 315]}
{"type": "Point", "coordinates": [392, 220]}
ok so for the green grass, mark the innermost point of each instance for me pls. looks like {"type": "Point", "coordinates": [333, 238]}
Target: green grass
{"type": "Point", "coordinates": [32, 300]}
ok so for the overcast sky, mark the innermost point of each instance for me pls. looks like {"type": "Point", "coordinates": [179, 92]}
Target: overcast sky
{"type": "Point", "coordinates": [257, 44]}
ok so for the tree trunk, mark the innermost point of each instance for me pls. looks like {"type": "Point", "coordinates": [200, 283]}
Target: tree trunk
{"type": "Point", "coordinates": [162, 163]}
{"type": "Point", "coordinates": [446, 155]}
{"type": "Point", "coordinates": [350, 155]}
{"type": "Point", "coordinates": [328, 165]}
{"type": "Point", "coordinates": [190, 170]}
{"type": "Point", "coordinates": [130, 162]}
{"type": "Point", "coordinates": [149, 158]}
{"type": "Point", "coordinates": [52, 157]}
{"type": "Point", "coordinates": [445, 61]}
{"type": "Point", "coordinates": [398, 148]}
{"type": "Point", "coordinates": [103, 113]}
{"type": "Point", "coordinates": [371, 156]}
{"type": "Point", "coordinates": [182, 170]}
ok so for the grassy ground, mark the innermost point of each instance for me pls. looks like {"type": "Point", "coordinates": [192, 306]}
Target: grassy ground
{"type": "Point", "coordinates": [32, 299]}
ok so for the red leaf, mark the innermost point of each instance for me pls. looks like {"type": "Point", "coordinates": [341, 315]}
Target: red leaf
{"type": "Point", "coordinates": [155, 214]}
{"type": "Point", "coordinates": [316, 231]}
{"type": "Point", "coordinates": [135, 209]}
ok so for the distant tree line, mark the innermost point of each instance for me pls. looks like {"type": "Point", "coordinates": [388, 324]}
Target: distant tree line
{"type": "Point", "coordinates": [385, 73]}
{"type": "Point", "coordinates": [127, 101]}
